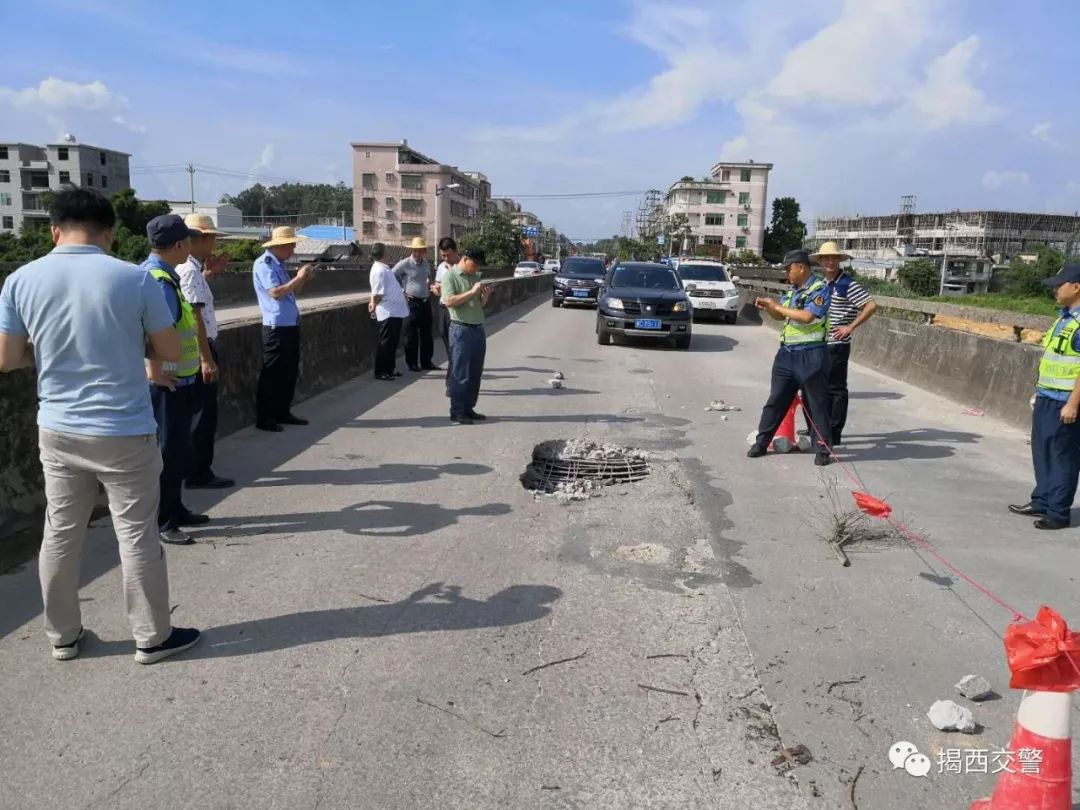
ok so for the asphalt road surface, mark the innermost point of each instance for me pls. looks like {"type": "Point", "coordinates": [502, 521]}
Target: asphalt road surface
{"type": "Point", "coordinates": [378, 597]}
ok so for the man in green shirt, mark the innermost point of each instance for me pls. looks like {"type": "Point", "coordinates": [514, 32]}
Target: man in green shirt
{"type": "Point", "coordinates": [465, 296]}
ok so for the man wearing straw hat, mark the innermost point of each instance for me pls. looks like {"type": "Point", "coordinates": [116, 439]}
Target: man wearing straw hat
{"type": "Point", "coordinates": [194, 274]}
{"type": "Point", "coordinates": [414, 274]}
{"type": "Point", "coordinates": [849, 308]}
{"type": "Point", "coordinates": [276, 292]}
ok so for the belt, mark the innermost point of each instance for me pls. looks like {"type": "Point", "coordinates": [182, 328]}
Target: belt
{"type": "Point", "coordinates": [467, 325]}
{"type": "Point", "coordinates": [414, 297]}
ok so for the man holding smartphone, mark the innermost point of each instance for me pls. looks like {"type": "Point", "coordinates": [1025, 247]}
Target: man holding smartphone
{"type": "Point", "coordinates": [465, 296]}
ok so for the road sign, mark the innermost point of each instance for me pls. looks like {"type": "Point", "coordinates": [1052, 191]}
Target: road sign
{"type": "Point", "coordinates": [660, 239]}
{"type": "Point", "coordinates": [530, 230]}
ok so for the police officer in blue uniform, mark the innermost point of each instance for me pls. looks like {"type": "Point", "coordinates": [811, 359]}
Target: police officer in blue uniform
{"type": "Point", "coordinates": [802, 362]}
{"type": "Point", "coordinates": [1055, 428]}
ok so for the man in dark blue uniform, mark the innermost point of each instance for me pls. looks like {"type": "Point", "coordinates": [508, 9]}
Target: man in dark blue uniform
{"type": "Point", "coordinates": [802, 362]}
{"type": "Point", "coordinates": [1055, 429]}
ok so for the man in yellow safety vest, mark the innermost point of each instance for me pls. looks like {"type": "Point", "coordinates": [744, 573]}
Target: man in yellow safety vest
{"type": "Point", "coordinates": [173, 389]}
{"type": "Point", "coordinates": [802, 362]}
{"type": "Point", "coordinates": [1055, 431]}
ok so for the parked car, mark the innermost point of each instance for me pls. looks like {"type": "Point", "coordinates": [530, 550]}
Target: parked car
{"type": "Point", "coordinates": [710, 288]}
{"type": "Point", "coordinates": [644, 299]}
{"type": "Point", "coordinates": [578, 281]}
{"type": "Point", "coordinates": [551, 266]}
{"type": "Point", "coordinates": [527, 269]}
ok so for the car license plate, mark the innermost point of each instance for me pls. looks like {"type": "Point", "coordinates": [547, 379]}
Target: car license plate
{"type": "Point", "coordinates": [581, 293]}
{"type": "Point", "coordinates": [645, 323]}
{"type": "Point", "coordinates": [704, 303]}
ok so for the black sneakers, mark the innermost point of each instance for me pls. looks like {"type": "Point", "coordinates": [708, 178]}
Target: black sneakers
{"type": "Point", "coordinates": [182, 638]}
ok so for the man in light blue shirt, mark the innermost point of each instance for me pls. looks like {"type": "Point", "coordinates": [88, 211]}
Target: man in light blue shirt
{"type": "Point", "coordinates": [83, 318]}
{"type": "Point", "coordinates": [281, 330]}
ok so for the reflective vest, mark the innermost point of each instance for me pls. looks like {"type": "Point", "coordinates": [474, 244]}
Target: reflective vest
{"type": "Point", "coordinates": [189, 343]}
{"type": "Point", "coordinates": [1059, 367]}
{"type": "Point", "coordinates": [795, 333]}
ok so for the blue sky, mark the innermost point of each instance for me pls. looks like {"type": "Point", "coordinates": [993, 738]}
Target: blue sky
{"type": "Point", "coordinates": [965, 104]}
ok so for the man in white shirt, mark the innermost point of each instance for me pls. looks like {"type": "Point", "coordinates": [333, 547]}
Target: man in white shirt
{"type": "Point", "coordinates": [194, 276]}
{"type": "Point", "coordinates": [389, 307]}
{"type": "Point", "coordinates": [449, 253]}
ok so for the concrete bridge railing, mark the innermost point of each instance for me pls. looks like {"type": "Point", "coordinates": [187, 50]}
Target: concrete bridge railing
{"type": "Point", "coordinates": [980, 358]}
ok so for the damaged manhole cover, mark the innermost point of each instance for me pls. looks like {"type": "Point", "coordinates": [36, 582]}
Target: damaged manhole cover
{"type": "Point", "coordinates": [577, 468]}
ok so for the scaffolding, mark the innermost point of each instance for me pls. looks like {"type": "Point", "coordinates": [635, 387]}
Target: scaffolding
{"type": "Point", "coordinates": [650, 215]}
{"type": "Point", "coordinates": [1001, 234]}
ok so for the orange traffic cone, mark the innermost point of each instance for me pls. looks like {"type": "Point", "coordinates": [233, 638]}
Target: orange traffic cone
{"type": "Point", "coordinates": [784, 440]}
{"type": "Point", "coordinates": [1040, 777]}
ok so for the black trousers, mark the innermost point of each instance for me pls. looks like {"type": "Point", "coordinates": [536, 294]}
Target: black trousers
{"type": "Point", "coordinates": [277, 381]}
{"type": "Point", "coordinates": [1055, 451]}
{"type": "Point", "coordinates": [204, 425]}
{"type": "Point", "coordinates": [419, 345]}
{"type": "Point", "coordinates": [839, 354]}
{"type": "Point", "coordinates": [386, 353]}
{"type": "Point", "coordinates": [794, 370]}
{"type": "Point", "coordinates": [173, 411]}
{"type": "Point", "coordinates": [444, 331]}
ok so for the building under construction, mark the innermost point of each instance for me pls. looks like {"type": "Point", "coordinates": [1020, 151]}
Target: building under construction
{"type": "Point", "coordinates": [997, 234]}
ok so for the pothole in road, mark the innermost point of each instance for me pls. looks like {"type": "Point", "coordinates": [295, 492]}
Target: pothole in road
{"type": "Point", "coordinates": [577, 469]}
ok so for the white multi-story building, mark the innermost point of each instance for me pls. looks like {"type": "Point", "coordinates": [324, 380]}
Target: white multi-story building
{"type": "Point", "coordinates": [726, 209]}
{"type": "Point", "coordinates": [27, 172]}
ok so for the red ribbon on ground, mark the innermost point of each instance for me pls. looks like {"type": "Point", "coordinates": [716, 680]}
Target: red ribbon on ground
{"type": "Point", "coordinates": [1043, 654]}
{"type": "Point", "coordinates": [872, 506]}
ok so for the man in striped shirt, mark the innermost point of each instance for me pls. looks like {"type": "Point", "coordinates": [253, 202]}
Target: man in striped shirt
{"type": "Point", "coordinates": [850, 307]}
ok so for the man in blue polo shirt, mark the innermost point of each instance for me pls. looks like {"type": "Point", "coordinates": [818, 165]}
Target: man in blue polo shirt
{"type": "Point", "coordinates": [89, 317]}
{"type": "Point", "coordinates": [802, 362]}
{"type": "Point", "coordinates": [276, 292]}
{"type": "Point", "coordinates": [1055, 428]}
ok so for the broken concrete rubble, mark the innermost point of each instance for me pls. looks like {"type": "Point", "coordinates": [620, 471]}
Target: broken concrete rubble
{"type": "Point", "coordinates": [949, 716]}
{"type": "Point", "coordinates": [974, 687]}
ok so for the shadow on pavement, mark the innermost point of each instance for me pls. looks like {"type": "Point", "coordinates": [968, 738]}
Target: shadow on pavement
{"type": "Point", "coordinates": [919, 444]}
{"type": "Point", "coordinates": [444, 421]}
{"type": "Point", "coordinates": [521, 368]}
{"type": "Point", "coordinates": [246, 455]}
{"type": "Point", "coordinates": [368, 518]}
{"type": "Point", "coordinates": [535, 392]}
{"type": "Point", "coordinates": [383, 474]}
{"type": "Point", "coordinates": [708, 342]}
{"type": "Point", "coordinates": [448, 611]}
{"type": "Point", "coordinates": [875, 395]}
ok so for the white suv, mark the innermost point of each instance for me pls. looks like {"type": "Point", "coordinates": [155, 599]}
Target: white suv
{"type": "Point", "coordinates": [710, 288]}
{"type": "Point", "coordinates": [551, 266]}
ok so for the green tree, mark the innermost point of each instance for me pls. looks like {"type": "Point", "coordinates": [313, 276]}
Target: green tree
{"type": "Point", "coordinates": [786, 231]}
{"type": "Point", "coordinates": [308, 202]}
{"type": "Point", "coordinates": [921, 276]}
{"type": "Point", "coordinates": [677, 229]}
{"type": "Point", "coordinates": [133, 213]}
{"type": "Point", "coordinates": [746, 257]}
{"type": "Point", "coordinates": [498, 237]}
{"type": "Point", "coordinates": [686, 179]}
{"type": "Point", "coordinates": [1025, 279]}
{"type": "Point", "coordinates": [239, 250]}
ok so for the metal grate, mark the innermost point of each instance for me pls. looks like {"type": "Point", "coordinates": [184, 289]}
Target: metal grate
{"type": "Point", "coordinates": [558, 467]}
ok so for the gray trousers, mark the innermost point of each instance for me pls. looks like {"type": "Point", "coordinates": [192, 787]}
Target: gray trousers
{"type": "Point", "coordinates": [128, 467]}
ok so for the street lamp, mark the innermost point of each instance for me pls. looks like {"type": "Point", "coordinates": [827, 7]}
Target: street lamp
{"type": "Point", "coordinates": [439, 191]}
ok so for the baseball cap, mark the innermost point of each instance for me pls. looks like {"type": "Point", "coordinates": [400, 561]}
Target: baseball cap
{"type": "Point", "coordinates": [476, 254]}
{"type": "Point", "coordinates": [796, 257]}
{"type": "Point", "coordinates": [168, 229]}
{"type": "Point", "coordinates": [1068, 274]}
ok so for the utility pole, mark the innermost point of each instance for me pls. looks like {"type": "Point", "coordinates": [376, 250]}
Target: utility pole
{"type": "Point", "coordinates": [191, 173]}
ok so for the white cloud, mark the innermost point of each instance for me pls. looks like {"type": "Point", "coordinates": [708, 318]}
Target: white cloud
{"type": "Point", "coordinates": [266, 158]}
{"type": "Point", "coordinates": [138, 129]}
{"type": "Point", "coordinates": [1005, 179]}
{"type": "Point", "coordinates": [948, 96]}
{"type": "Point", "coordinates": [59, 94]}
{"type": "Point", "coordinates": [860, 58]}
{"type": "Point", "coordinates": [1041, 132]}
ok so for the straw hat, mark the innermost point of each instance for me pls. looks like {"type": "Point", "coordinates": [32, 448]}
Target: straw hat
{"type": "Point", "coordinates": [203, 224]}
{"type": "Point", "coordinates": [285, 235]}
{"type": "Point", "coordinates": [829, 249]}
{"type": "Point", "coordinates": [418, 243]}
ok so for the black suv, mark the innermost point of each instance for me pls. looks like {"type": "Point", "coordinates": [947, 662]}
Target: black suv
{"type": "Point", "coordinates": [644, 299]}
{"type": "Point", "coordinates": [578, 281]}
